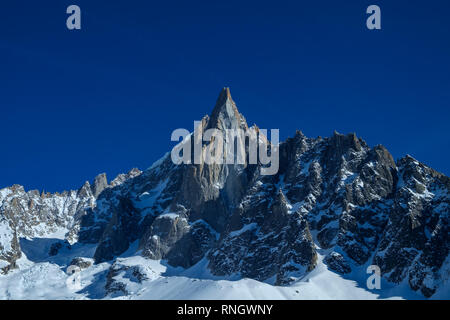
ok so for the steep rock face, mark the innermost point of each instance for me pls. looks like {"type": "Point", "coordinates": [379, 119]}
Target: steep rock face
{"type": "Point", "coordinates": [263, 244]}
{"type": "Point", "coordinates": [167, 230]}
{"type": "Point", "coordinates": [100, 184]}
{"type": "Point", "coordinates": [415, 243]}
{"type": "Point", "coordinates": [101, 219]}
{"type": "Point", "coordinates": [125, 213]}
{"type": "Point", "coordinates": [172, 237]}
{"type": "Point", "coordinates": [209, 190]}
{"type": "Point", "coordinates": [342, 185]}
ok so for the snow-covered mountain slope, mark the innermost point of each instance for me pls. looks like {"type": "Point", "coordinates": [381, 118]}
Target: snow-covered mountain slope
{"type": "Point", "coordinates": [135, 277]}
{"type": "Point", "coordinates": [335, 207]}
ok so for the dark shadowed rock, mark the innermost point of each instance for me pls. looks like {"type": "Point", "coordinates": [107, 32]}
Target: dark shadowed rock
{"type": "Point", "coordinates": [82, 263]}
{"type": "Point", "coordinates": [336, 262]}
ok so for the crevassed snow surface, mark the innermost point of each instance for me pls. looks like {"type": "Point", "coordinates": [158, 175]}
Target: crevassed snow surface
{"type": "Point", "coordinates": [42, 277]}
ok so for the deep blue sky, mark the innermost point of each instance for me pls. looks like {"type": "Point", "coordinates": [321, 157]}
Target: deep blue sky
{"type": "Point", "coordinates": [106, 98]}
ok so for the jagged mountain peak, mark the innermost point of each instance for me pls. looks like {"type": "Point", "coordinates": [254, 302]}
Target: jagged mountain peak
{"type": "Point", "coordinates": [224, 96]}
{"type": "Point", "coordinates": [85, 190]}
{"type": "Point", "coordinates": [419, 170]}
{"type": "Point", "coordinates": [121, 178]}
{"type": "Point", "coordinates": [350, 140]}
{"type": "Point", "coordinates": [225, 114]}
{"type": "Point", "coordinates": [100, 184]}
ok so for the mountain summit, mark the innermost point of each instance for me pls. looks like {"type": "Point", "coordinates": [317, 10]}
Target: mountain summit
{"type": "Point", "coordinates": [225, 114]}
{"type": "Point", "coordinates": [335, 207]}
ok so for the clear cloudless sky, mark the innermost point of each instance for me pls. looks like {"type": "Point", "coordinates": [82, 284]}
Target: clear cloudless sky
{"type": "Point", "coordinates": [107, 97]}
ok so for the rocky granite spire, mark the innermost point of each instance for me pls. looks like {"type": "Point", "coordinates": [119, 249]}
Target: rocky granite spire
{"type": "Point", "coordinates": [225, 114]}
{"type": "Point", "coordinates": [100, 184]}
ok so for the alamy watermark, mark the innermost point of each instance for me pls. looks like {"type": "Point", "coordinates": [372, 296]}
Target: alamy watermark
{"type": "Point", "coordinates": [73, 21]}
{"type": "Point", "coordinates": [374, 281]}
{"type": "Point", "coordinates": [229, 146]}
{"type": "Point", "coordinates": [373, 22]}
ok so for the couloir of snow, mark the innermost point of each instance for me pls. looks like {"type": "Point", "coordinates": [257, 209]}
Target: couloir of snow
{"type": "Point", "coordinates": [42, 277]}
